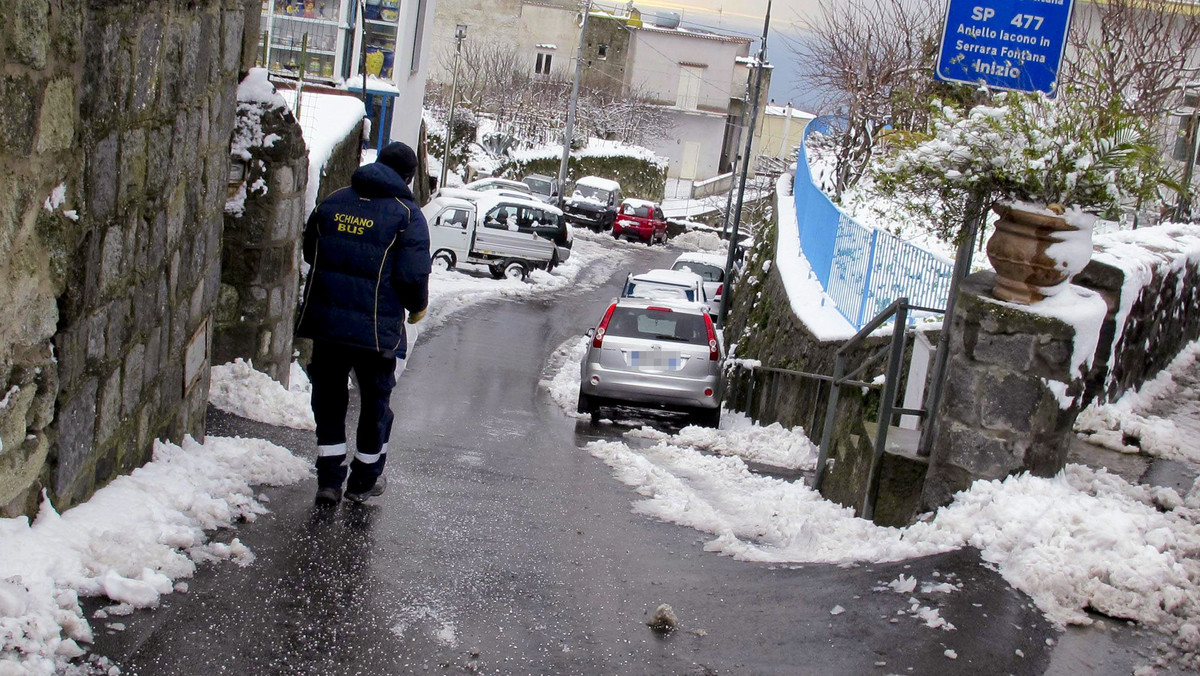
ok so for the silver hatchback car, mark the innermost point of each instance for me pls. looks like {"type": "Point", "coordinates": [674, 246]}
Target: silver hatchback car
{"type": "Point", "coordinates": [654, 354]}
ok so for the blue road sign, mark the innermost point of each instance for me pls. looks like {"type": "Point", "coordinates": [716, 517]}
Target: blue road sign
{"type": "Point", "coordinates": [1005, 44]}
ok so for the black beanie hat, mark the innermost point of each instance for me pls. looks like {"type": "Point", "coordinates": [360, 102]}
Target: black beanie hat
{"type": "Point", "coordinates": [400, 158]}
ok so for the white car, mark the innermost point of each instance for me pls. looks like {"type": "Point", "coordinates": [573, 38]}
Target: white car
{"type": "Point", "coordinates": [485, 184]}
{"type": "Point", "coordinates": [710, 267]}
{"type": "Point", "coordinates": [674, 285]}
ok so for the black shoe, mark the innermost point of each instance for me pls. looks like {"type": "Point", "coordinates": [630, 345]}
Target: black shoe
{"type": "Point", "coordinates": [328, 496]}
{"type": "Point", "coordinates": [361, 497]}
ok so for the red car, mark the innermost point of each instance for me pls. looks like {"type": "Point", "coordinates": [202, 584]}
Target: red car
{"type": "Point", "coordinates": [640, 220]}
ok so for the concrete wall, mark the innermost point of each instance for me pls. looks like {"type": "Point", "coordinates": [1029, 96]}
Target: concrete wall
{"type": "Point", "coordinates": [416, 55]}
{"type": "Point", "coordinates": [707, 130]}
{"type": "Point", "coordinates": [658, 53]}
{"type": "Point", "coordinates": [781, 131]}
{"type": "Point", "coordinates": [519, 24]}
{"type": "Point", "coordinates": [115, 140]}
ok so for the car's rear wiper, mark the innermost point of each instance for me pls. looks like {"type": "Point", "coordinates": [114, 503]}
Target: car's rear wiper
{"type": "Point", "coordinates": [665, 337]}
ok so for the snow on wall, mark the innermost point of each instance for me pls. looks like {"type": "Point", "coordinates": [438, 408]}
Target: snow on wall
{"type": "Point", "coordinates": [1148, 276]}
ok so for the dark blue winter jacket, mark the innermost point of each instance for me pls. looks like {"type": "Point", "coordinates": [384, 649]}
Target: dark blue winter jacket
{"type": "Point", "coordinates": [368, 251]}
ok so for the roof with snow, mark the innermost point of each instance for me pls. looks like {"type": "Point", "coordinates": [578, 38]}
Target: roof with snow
{"type": "Point", "coordinates": [705, 258]}
{"type": "Point", "coordinates": [696, 33]}
{"type": "Point", "coordinates": [671, 277]}
{"type": "Point", "coordinates": [601, 183]}
{"type": "Point", "coordinates": [636, 203]}
{"type": "Point", "coordinates": [782, 111]}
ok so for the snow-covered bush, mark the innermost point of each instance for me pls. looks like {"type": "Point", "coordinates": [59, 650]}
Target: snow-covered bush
{"type": "Point", "coordinates": [1023, 147]}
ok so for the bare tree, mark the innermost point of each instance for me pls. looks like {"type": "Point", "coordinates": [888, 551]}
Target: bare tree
{"type": "Point", "coordinates": [874, 60]}
{"type": "Point", "coordinates": [1135, 54]}
{"type": "Point", "coordinates": [532, 108]}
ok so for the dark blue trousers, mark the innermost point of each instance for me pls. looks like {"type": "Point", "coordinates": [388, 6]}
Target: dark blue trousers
{"type": "Point", "coordinates": [329, 371]}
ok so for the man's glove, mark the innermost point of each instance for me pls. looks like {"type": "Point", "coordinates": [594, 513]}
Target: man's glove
{"type": "Point", "coordinates": [414, 317]}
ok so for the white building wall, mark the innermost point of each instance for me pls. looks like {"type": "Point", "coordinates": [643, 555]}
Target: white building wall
{"type": "Point", "coordinates": [507, 23]}
{"type": "Point", "coordinates": [414, 52]}
{"type": "Point", "coordinates": [705, 129]}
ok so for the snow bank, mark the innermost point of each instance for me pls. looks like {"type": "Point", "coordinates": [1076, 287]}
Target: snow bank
{"type": "Point", "coordinates": [239, 389]}
{"type": "Point", "coordinates": [808, 300]}
{"type": "Point", "coordinates": [129, 542]}
{"type": "Point", "coordinates": [701, 240]}
{"type": "Point", "coordinates": [1083, 539]}
{"type": "Point", "coordinates": [1109, 425]}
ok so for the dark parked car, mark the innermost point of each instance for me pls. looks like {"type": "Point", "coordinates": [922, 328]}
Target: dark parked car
{"type": "Point", "coordinates": [593, 203]}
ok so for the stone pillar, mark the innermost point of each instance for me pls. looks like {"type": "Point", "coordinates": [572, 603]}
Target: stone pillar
{"type": "Point", "coordinates": [264, 219]}
{"type": "Point", "coordinates": [1012, 393]}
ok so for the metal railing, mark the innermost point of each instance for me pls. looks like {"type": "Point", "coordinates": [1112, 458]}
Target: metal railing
{"type": "Point", "coordinates": [894, 350]}
{"type": "Point", "coordinates": [862, 269]}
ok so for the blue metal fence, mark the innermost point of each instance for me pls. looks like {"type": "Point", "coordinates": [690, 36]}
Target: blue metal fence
{"type": "Point", "coordinates": [862, 269]}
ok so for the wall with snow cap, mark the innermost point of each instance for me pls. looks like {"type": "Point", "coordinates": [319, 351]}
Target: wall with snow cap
{"type": "Point", "coordinates": [114, 134]}
{"type": "Point", "coordinates": [264, 219]}
{"type": "Point", "coordinates": [1014, 383]}
{"type": "Point", "coordinates": [641, 173]}
{"type": "Point", "coordinates": [1149, 277]}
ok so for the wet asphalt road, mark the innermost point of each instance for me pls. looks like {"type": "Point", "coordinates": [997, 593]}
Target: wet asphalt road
{"type": "Point", "coordinates": [502, 546]}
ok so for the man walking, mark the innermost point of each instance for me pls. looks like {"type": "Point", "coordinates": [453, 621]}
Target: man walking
{"type": "Point", "coordinates": [368, 251]}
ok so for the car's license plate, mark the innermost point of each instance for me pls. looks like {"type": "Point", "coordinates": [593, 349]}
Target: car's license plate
{"type": "Point", "coordinates": [655, 360]}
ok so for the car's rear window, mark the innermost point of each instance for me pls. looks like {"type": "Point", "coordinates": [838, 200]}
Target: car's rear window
{"type": "Point", "coordinates": [538, 185]}
{"type": "Point", "coordinates": [640, 212]}
{"type": "Point", "coordinates": [658, 325]}
{"type": "Point", "coordinates": [709, 273]}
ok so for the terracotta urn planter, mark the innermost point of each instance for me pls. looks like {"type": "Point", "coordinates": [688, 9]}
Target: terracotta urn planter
{"type": "Point", "coordinates": [1036, 251]}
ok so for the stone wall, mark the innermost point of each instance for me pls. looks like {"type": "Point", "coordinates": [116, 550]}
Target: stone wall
{"type": "Point", "coordinates": [1149, 278]}
{"type": "Point", "coordinates": [1012, 391]}
{"type": "Point", "coordinates": [264, 219]}
{"type": "Point", "coordinates": [114, 136]}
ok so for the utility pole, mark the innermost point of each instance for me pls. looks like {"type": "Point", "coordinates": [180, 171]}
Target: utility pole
{"type": "Point", "coordinates": [460, 33]}
{"type": "Point", "coordinates": [1184, 208]}
{"type": "Point", "coordinates": [570, 132]}
{"type": "Point", "coordinates": [737, 218]}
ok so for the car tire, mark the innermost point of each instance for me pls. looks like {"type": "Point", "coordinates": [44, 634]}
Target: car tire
{"type": "Point", "coordinates": [443, 260]}
{"type": "Point", "coordinates": [554, 262]}
{"type": "Point", "coordinates": [497, 270]}
{"type": "Point", "coordinates": [586, 403]}
{"type": "Point", "coordinates": [514, 270]}
{"type": "Point", "coordinates": [707, 417]}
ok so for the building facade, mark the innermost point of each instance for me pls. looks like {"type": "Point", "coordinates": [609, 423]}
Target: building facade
{"type": "Point", "coordinates": [699, 77]}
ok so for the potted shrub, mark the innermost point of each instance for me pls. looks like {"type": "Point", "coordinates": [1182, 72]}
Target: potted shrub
{"type": "Point", "coordinates": [1047, 167]}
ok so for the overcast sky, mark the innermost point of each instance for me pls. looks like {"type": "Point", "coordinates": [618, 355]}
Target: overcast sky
{"type": "Point", "coordinates": [745, 17]}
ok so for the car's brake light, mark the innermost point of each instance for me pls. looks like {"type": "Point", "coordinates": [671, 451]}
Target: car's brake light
{"type": "Point", "coordinates": [713, 353]}
{"type": "Point", "coordinates": [721, 290]}
{"type": "Point", "coordinates": [658, 309]}
{"type": "Point", "coordinates": [598, 339]}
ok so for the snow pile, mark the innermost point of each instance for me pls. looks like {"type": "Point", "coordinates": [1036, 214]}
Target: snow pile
{"type": "Point", "coordinates": [239, 389]}
{"type": "Point", "coordinates": [1083, 539]}
{"type": "Point", "coordinates": [772, 445]}
{"type": "Point", "coordinates": [256, 97]}
{"type": "Point", "coordinates": [809, 303]}
{"type": "Point", "coordinates": [129, 542]}
{"type": "Point", "coordinates": [1131, 418]}
{"type": "Point", "coordinates": [700, 240]}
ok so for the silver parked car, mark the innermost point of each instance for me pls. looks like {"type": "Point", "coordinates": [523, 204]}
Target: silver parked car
{"type": "Point", "coordinates": [654, 354]}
